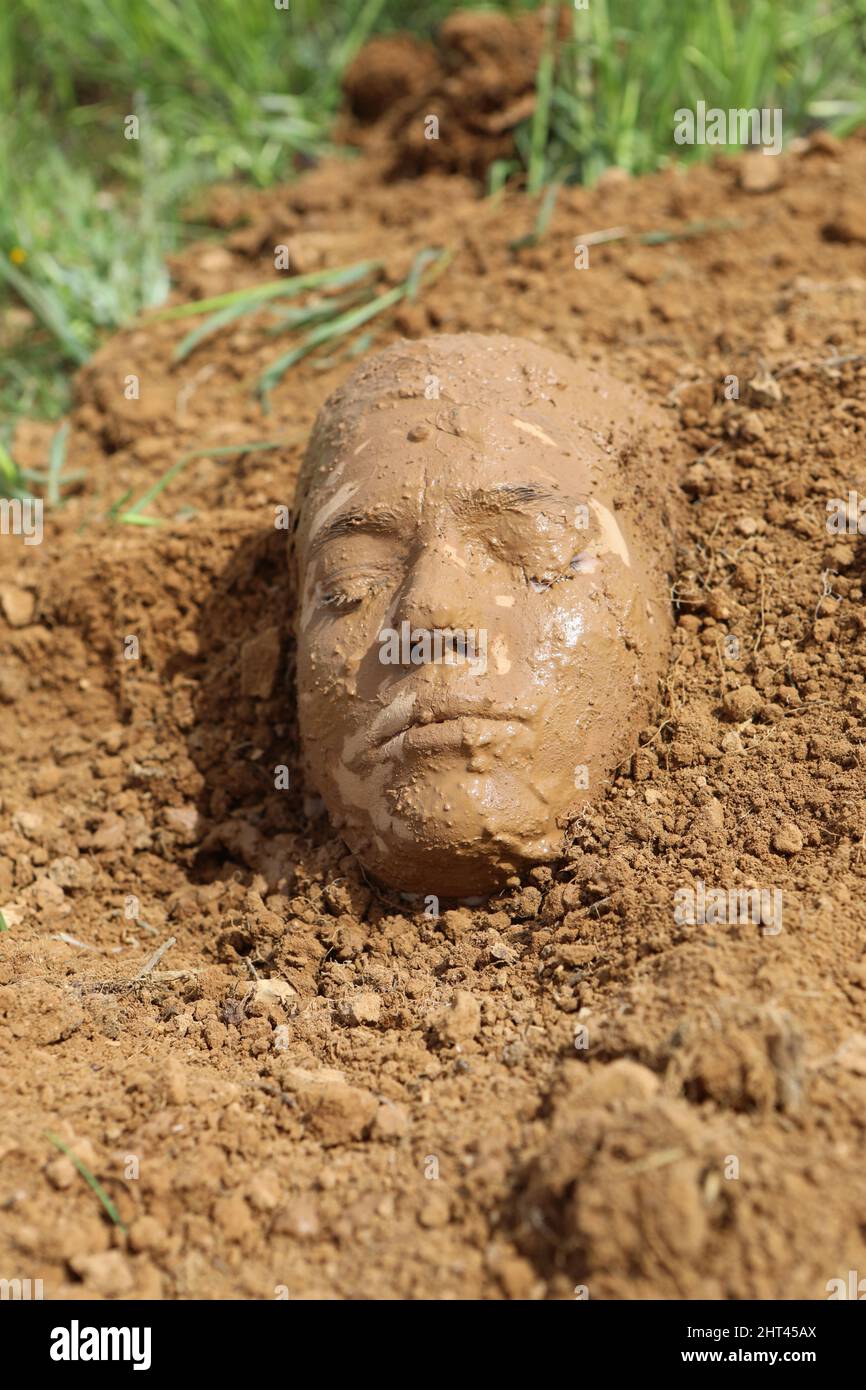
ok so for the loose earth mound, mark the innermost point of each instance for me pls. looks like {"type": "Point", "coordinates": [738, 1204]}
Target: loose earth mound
{"type": "Point", "coordinates": [314, 1092]}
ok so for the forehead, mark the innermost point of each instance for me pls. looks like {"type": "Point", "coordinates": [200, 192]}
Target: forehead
{"type": "Point", "coordinates": [396, 455]}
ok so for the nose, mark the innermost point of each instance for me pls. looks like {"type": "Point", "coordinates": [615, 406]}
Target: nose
{"type": "Point", "coordinates": [440, 589]}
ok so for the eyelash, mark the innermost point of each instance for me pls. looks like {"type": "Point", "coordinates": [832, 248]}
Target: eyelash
{"type": "Point", "coordinates": [542, 584]}
{"type": "Point", "coordinates": [335, 595]}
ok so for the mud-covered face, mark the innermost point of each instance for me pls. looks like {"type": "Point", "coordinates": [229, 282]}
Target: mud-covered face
{"type": "Point", "coordinates": [470, 627]}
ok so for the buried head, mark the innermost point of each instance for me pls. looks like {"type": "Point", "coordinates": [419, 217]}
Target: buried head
{"type": "Point", "coordinates": [479, 627]}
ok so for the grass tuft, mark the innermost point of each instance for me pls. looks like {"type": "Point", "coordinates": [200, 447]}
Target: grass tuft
{"type": "Point", "coordinates": [427, 266]}
{"type": "Point", "coordinates": [329, 318]}
{"type": "Point", "coordinates": [240, 302]}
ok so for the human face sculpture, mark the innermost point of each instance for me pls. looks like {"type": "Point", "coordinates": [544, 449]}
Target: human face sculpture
{"type": "Point", "coordinates": [480, 623]}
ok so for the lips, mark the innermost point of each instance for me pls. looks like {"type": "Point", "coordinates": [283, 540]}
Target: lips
{"type": "Point", "coordinates": [463, 732]}
{"type": "Point", "coordinates": [443, 724]}
{"type": "Point", "coordinates": [414, 713]}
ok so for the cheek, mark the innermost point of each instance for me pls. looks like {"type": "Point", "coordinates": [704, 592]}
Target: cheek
{"type": "Point", "coordinates": [326, 666]}
{"type": "Point", "coordinates": [331, 655]}
{"type": "Point", "coordinates": [555, 630]}
{"type": "Point", "coordinates": [534, 637]}
{"type": "Point", "coordinates": [568, 628]}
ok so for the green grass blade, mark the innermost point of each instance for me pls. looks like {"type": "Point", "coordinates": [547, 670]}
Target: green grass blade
{"type": "Point", "coordinates": [358, 34]}
{"type": "Point", "coordinates": [312, 313]}
{"type": "Point", "coordinates": [543, 99]}
{"type": "Point", "coordinates": [428, 256]}
{"type": "Point", "coordinates": [46, 307]}
{"type": "Point", "coordinates": [8, 466]}
{"type": "Point", "coordinates": [92, 1182]}
{"type": "Point", "coordinates": [260, 294]}
{"type": "Point", "coordinates": [133, 516]}
{"type": "Point", "coordinates": [542, 220]}
{"type": "Point", "coordinates": [11, 477]}
{"type": "Point", "coordinates": [354, 318]}
{"type": "Point", "coordinates": [692, 229]}
{"type": "Point", "coordinates": [346, 323]}
{"type": "Point", "coordinates": [250, 301]}
{"type": "Point", "coordinates": [56, 460]}
{"type": "Point", "coordinates": [208, 329]}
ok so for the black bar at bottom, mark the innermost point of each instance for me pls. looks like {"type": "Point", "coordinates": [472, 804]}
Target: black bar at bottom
{"type": "Point", "coordinates": [81, 1340]}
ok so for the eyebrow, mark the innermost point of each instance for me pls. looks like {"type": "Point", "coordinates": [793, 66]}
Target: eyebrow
{"type": "Point", "coordinates": [380, 522]}
{"type": "Point", "coordinates": [514, 495]}
{"type": "Point", "coordinates": [384, 522]}
{"type": "Point", "coordinates": [528, 492]}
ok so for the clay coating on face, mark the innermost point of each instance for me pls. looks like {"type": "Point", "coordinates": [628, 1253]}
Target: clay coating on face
{"type": "Point", "coordinates": [480, 484]}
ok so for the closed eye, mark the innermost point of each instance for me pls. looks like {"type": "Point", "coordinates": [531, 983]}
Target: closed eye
{"type": "Point", "coordinates": [348, 589]}
{"type": "Point", "coordinates": [583, 563]}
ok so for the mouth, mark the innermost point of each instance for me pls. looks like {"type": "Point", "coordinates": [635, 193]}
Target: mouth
{"type": "Point", "coordinates": [459, 732]}
{"type": "Point", "coordinates": [433, 719]}
{"type": "Point", "coordinates": [450, 726]}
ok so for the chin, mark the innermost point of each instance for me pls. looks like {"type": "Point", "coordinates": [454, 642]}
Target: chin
{"type": "Point", "coordinates": [434, 857]}
{"type": "Point", "coordinates": [447, 872]}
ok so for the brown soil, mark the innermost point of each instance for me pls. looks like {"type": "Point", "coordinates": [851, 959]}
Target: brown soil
{"type": "Point", "coordinates": [403, 1110]}
{"type": "Point", "coordinates": [478, 80]}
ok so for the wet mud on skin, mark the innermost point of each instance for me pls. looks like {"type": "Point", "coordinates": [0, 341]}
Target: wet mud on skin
{"type": "Point", "coordinates": [498, 510]}
{"type": "Point", "coordinates": [324, 1089]}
